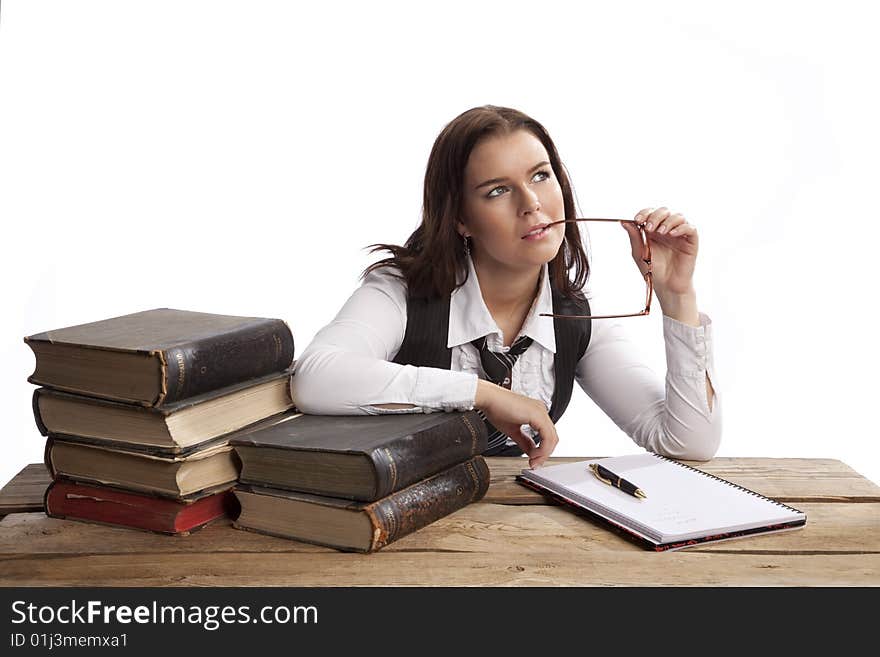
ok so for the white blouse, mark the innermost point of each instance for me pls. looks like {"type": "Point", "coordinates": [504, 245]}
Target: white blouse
{"type": "Point", "coordinates": [346, 370]}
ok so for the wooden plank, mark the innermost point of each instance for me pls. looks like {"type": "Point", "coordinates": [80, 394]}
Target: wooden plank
{"type": "Point", "coordinates": [24, 492]}
{"type": "Point", "coordinates": [477, 529]}
{"type": "Point", "coordinates": [514, 543]}
{"type": "Point", "coordinates": [831, 528]}
{"type": "Point", "coordinates": [786, 480]}
{"type": "Point", "coordinates": [481, 545]}
{"type": "Point", "coordinates": [532, 568]}
{"type": "Point", "coordinates": [35, 533]}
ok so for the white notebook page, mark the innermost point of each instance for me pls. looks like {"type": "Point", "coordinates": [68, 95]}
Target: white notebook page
{"type": "Point", "coordinates": [681, 503]}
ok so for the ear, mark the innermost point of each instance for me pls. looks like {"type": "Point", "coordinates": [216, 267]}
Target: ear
{"type": "Point", "coordinates": [461, 228]}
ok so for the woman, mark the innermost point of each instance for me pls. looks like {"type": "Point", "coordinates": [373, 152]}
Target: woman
{"type": "Point", "coordinates": [432, 321]}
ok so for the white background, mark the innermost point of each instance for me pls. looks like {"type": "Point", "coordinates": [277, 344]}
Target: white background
{"type": "Point", "coordinates": [236, 158]}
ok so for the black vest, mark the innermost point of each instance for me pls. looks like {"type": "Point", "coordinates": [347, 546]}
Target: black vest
{"type": "Point", "coordinates": [427, 331]}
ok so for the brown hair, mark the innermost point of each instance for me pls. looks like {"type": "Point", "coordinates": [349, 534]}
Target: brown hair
{"type": "Point", "coordinates": [433, 259]}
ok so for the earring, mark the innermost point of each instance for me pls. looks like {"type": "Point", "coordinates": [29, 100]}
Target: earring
{"type": "Point", "coordinates": [467, 246]}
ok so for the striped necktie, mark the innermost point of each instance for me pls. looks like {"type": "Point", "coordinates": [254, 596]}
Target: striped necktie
{"type": "Point", "coordinates": [498, 367]}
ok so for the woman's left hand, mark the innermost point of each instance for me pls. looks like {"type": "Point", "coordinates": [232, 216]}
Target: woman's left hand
{"type": "Point", "coordinates": [674, 246]}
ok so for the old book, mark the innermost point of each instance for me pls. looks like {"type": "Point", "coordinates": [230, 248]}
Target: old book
{"type": "Point", "coordinates": [171, 429]}
{"type": "Point", "coordinates": [364, 457]}
{"type": "Point", "coordinates": [110, 506]}
{"type": "Point", "coordinates": [358, 526]}
{"type": "Point", "coordinates": [160, 356]}
{"type": "Point", "coordinates": [213, 468]}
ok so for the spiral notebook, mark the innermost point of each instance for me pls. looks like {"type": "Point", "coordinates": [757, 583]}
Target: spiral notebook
{"type": "Point", "coordinates": [684, 506]}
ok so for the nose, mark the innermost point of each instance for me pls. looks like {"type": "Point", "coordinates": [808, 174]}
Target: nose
{"type": "Point", "coordinates": [530, 202]}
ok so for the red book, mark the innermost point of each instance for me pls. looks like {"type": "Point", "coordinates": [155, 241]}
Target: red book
{"type": "Point", "coordinates": [112, 506]}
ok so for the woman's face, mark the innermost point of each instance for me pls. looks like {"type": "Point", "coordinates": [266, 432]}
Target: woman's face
{"type": "Point", "coordinates": [510, 189]}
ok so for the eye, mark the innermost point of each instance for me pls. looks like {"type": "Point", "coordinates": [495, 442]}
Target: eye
{"type": "Point", "coordinates": [542, 172]}
{"type": "Point", "coordinates": [545, 175]}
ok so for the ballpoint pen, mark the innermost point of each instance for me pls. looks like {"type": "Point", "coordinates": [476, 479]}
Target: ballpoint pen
{"type": "Point", "coordinates": [604, 474]}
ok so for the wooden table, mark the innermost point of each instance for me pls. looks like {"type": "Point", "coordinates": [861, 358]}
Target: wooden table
{"type": "Point", "coordinates": [513, 537]}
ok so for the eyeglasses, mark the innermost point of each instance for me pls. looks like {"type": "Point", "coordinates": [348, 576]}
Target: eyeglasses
{"type": "Point", "coordinates": [646, 258]}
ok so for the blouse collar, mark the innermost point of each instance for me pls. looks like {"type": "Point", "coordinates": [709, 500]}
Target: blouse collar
{"type": "Point", "coordinates": [469, 318]}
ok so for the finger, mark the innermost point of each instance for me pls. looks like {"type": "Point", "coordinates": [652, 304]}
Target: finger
{"type": "Point", "coordinates": [656, 217]}
{"type": "Point", "coordinates": [635, 238]}
{"type": "Point", "coordinates": [686, 234]}
{"type": "Point", "coordinates": [670, 222]}
{"type": "Point", "coordinates": [683, 229]}
{"type": "Point", "coordinates": [549, 440]}
{"type": "Point", "coordinates": [516, 434]}
{"type": "Point", "coordinates": [642, 215]}
{"type": "Point", "coordinates": [539, 456]}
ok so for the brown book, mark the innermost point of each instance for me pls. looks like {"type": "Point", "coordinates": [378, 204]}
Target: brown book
{"type": "Point", "coordinates": [109, 506]}
{"type": "Point", "coordinates": [177, 428]}
{"type": "Point", "coordinates": [160, 356]}
{"type": "Point", "coordinates": [357, 457]}
{"type": "Point", "coordinates": [211, 469]}
{"type": "Point", "coordinates": [356, 526]}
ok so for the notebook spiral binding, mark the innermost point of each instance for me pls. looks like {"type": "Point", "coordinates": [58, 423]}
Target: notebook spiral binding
{"type": "Point", "coordinates": [725, 481]}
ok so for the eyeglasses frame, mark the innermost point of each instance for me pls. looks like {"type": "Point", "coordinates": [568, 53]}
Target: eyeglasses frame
{"type": "Point", "coordinates": [646, 258]}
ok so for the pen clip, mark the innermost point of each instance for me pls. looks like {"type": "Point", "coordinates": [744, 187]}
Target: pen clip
{"type": "Point", "coordinates": [595, 468]}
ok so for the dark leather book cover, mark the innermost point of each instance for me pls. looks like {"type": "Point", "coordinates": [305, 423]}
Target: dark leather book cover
{"type": "Point", "coordinates": [67, 499]}
{"type": "Point", "coordinates": [159, 414]}
{"type": "Point", "coordinates": [400, 448]}
{"type": "Point", "coordinates": [194, 352]}
{"type": "Point", "coordinates": [406, 510]}
{"type": "Point", "coordinates": [164, 411]}
{"type": "Point", "coordinates": [170, 452]}
{"type": "Point", "coordinates": [108, 468]}
{"type": "Point", "coordinates": [148, 450]}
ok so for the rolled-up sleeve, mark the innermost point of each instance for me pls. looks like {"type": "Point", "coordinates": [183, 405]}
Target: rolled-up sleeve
{"type": "Point", "coordinates": [346, 369]}
{"type": "Point", "coordinates": [674, 419]}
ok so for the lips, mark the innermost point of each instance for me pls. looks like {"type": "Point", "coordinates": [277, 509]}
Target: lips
{"type": "Point", "coordinates": [535, 229]}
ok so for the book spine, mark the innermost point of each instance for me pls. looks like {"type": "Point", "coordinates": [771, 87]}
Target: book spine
{"type": "Point", "coordinates": [222, 360]}
{"type": "Point", "coordinates": [47, 457]}
{"type": "Point", "coordinates": [415, 456]}
{"type": "Point", "coordinates": [200, 513]}
{"type": "Point", "coordinates": [98, 504]}
{"type": "Point", "coordinates": [422, 503]}
{"type": "Point", "coordinates": [46, 494]}
{"type": "Point", "coordinates": [38, 417]}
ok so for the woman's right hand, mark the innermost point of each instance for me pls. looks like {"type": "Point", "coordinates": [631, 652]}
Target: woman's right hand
{"type": "Point", "coordinates": [508, 411]}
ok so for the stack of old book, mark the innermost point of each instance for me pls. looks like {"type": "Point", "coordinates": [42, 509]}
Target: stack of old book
{"type": "Point", "coordinates": [138, 412]}
{"type": "Point", "coordinates": [357, 483]}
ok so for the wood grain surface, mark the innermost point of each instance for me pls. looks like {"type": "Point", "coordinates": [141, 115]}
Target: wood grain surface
{"type": "Point", "coordinates": [514, 537]}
